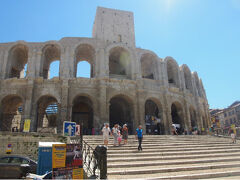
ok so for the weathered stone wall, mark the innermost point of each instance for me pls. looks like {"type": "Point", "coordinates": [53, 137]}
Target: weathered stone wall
{"type": "Point", "coordinates": [26, 144]}
{"type": "Point", "coordinates": [116, 71]}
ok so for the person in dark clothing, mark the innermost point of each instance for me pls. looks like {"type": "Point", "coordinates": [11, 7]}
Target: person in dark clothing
{"type": "Point", "coordinates": [139, 136]}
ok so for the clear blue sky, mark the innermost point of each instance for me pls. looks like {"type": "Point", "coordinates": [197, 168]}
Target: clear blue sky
{"type": "Point", "coordinates": [204, 34]}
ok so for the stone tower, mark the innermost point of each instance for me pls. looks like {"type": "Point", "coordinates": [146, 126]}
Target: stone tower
{"type": "Point", "coordinates": [114, 26]}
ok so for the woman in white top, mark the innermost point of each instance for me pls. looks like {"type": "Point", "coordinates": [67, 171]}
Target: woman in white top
{"type": "Point", "coordinates": [106, 131]}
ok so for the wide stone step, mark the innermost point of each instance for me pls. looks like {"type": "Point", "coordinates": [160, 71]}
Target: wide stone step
{"type": "Point", "coordinates": [168, 149]}
{"type": "Point", "coordinates": [164, 139]}
{"type": "Point", "coordinates": [196, 174]}
{"type": "Point", "coordinates": [171, 162]}
{"type": "Point", "coordinates": [169, 157]}
{"type": "Point", "coordinates": [161, 153]}
{"type": "Point", "coordinates": [171, 168]}
{"type": "Point", "coordinates": [135, 144]}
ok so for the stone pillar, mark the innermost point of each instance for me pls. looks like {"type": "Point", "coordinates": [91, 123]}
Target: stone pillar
{"type": "Point", "coordinates": [27, 107]}
{"type": "Point", "coordinates": [63, 106]}
{"type": "Point", "coordinates": [167, 117]}
{"type": "Point", "coordinates": [137, 119]}
{"type": "Point", "coordinates": [5, 64]}
{"type": "Point", "coordinates": [102, 67]}
{"type": "Point", "coordinates": [187, 119]}
{"type": "Point", "coordinates": [38, 64]}
{"type": "Point", "coordinates": [1, 64]}
{"type": "Point", "coordinates": [32, 60]}
{"type": "Point", "coordinates": [66, 60]}
{"type": "Point", "coordinates": [103, 103]}
{"type": "Point", "coordinates": [135, 66]}
{"type": "Point", "coordinates": [140, 118]}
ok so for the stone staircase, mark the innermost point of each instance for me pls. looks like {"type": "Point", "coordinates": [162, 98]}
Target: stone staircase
{"type": "Point", "coordinates": [172, 157]}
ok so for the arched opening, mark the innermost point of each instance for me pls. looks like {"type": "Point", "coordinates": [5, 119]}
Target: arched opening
{"type": "Point", "coordinates": [84, 69]}
{"type": "Point", "coordinates": [119, 63]}
{"type": "Point", "coordinates": [193, 119]}
{"type": "Point", "coordinates": [172, 72]}
{"type": "Point", "coordinates": [51, 53]}
{"type": "Point", "coordinates": [11, 113]}
{"type": "Point", "coordinates": [188, 78]}
{"type": "Point", "coordinates": [54, 69]}
{"type": "Point", "coordinates": [153, 118]}
{"type": "Point", "coordinates": [84, 53]}
{"type": "Point", "coordinates": [177, 117]}
{"type": "Point", "coordinates": [47, 113]}
{"type": "Point", "coordinates": [148, 66]}
{"type": "Point", "coordinates": [121, 112]}
{"type": "Point", "coordinates": [82, 113]}
{"type": "Point", "coordinates": [17, 60]}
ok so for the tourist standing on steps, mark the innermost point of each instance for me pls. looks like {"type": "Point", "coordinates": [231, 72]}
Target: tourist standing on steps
{"type": "Point", "coordinates": [174, 130]}
{"type": "Point", "coordinates": [125, 133]}
{"type": "Point", "coordinates": [106, 131]}
{"type": "Point", "coordinates": [115, 134]}
{"type": "Point", "coordinates": [233, 136]}
{"type": "Point", "coordinates": [139, 136]}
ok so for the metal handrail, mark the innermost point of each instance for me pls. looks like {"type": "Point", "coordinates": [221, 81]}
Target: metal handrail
{"type": "Point", "coordinates": [90, 163]}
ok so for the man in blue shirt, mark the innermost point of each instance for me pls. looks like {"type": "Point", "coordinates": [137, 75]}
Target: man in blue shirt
{"type": "Point", "coordinates": [139, 136]}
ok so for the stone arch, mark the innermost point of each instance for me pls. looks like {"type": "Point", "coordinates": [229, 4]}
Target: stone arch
{"type": "Point", "coordinates": [172, 72]}
{"type": "Point", "coordinates": [199, 92]}
{"type": "Point", "coordinates": [154, 116]}
{"type": "Point", "coordinates": [193, 118]}
{"type": "Point", "coordinates": [187, 78]}
{"type": "Point", "coordinates": [11, 112]}
{"type": "Point", "coordinates": [17, 59]}
{"type": "Point", "coordinates": [119, 63]}
{"type": "Point", "coordinates": [83, 113]}
{"type": "Point", "coordinates": [149, 66]}
{"type": "Point", "coordinates": [50, 53]}
{"type": "Point", "coordinates": [177, 115]}
{"type": "Point", "coordinates": [44, 118]}
{"type": "Point", "coordinates": [85, 52]}
{"type": "Point", "coordinates": [121, 111]}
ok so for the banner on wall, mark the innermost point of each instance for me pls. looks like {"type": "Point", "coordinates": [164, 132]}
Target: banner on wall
{"type": "Point", "coordinates": [26, 127]}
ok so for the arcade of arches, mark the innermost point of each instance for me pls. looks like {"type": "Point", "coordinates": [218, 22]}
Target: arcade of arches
{"type": "Point", "coordinates": [121, 111]}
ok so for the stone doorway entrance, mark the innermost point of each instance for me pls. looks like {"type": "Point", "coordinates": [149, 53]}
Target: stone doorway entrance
{"type": "Point", "coordinates": [177, 117]}
{"type": "Point", "coordinates": [121, 112]}
{"type": "Point", "coordinates": [153, 118]}
{"type": "Point", "coordinates": [193, 118]}
{"type": "Point", "coordinates": [11, 114]}
{"type": "Point", "coordinates": [47, 114]}
{"type": "Point", "coordinates": [82, 113]}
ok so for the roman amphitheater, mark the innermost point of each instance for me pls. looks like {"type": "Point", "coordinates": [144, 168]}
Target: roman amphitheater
{"type": "Point", "coordinates": [127, 84]}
